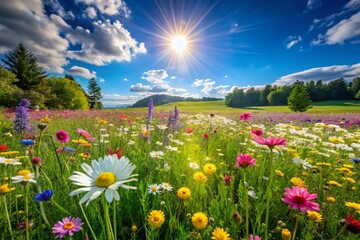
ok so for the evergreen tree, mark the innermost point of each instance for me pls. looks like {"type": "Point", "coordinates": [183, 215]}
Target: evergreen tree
{"type": "Point", "coordinates": [94, 94]}
{"type": "Point", "coordinates": [299, 100]}
{"type": "Point", "coordinates": [24, 65]}
{"type": "Point", "coordinates": [355, 85]}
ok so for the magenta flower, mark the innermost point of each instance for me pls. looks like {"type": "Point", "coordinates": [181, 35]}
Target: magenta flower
{"type": "Point", "coordinates": [85, 134]}
{"type": "Point", "coordinates": [62, 136]}
{"type": "Point", "coordinates": [206, 135]}
{"type": "Point", "coordinates": [252, 237]}
{"type": "Point", "coordinates": [227, 180]}
{"type": "Point", "coordinates": [300, 198]}
{"type": "Point", "coordinates": [271, 142]}
{"type": "Point", "coordinates": [68, 225]}
{"type": "Point", "coordinates": [257, 133]}
{"type": "Point", "coordinates": [245, 116]}
{"type": "Point", "coordinates": [245, 160]}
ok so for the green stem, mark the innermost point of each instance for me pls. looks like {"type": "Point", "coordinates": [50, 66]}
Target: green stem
{"type": "Point", "coordinates": [109, 232]}
{"type": "Point", "coordinates": [269, 195]}
{"type": "Point", "coordinates": [246, 206]}
{"type": "Point", "coordinates": [114, 220]}
{"type": "Point", "coordinates": [87, 222]}
{"type": "Point", "coordinates": [60, 207]}
{"type": "Point", "coordinates": [39, 143]}
{"type": "Point", "coordinates": [41, 206]}
{"type": "Point", "coordinates": [341, 231]}
{"type": "Point", "coordinates": [27, 211]}
{"type": "Point", "coordinates": [56, 154]}
{"type": "Point", "coordinates": [296, 225]}
{"type": "Point", "coordinates": [7, 217]}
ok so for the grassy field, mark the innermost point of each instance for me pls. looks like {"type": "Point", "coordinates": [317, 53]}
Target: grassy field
{"type": "Point", "coordinates": [349, 106]}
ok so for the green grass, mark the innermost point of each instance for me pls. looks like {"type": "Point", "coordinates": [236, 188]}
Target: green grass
{"type": "Point", "coordinates": [348, 106]}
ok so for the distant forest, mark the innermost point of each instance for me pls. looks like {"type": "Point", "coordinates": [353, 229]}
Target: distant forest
{"type": "Point", "coordinates": [161, 99]}
{"type": "Point", "coordinates": [338, 89]}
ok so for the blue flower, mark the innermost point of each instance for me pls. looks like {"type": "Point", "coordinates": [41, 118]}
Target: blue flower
{"type": "Point", "coordinates": [44, 196]}
{"type": "Point", "coordinates": [27, 142]}
{"type": "Point", "coordinates": [67, 149]}
{"type": "Point", "coordinates": [355, 160]}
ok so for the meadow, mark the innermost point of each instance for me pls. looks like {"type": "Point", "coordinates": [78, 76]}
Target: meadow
{"type": "Point", "coordinates": [160, 174]}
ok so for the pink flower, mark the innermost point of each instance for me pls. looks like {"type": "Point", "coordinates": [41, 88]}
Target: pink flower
{"type": "Point", "coordinates": [206, 135]}
{"type": "Point", "coordinates": [62, 136]}
{"type": "Point", "coordinates": [300, 198]}
{"type": "Point", "coordinates": [257, 133]}
{"type": "Point", "coordinates": [245, 160]}
{"type": "Point", "coordinates": [227, 180]}
{"type": "Point", "coordinates": [245, 116]}
{"type": "Point", "coordinates": [271, 142]}
{"type": "Point", "coordinates": [85, 134]}
{"type": "Point", "coordinates": [252, 237]}
{"type": "Point", "coordinates": [68, 225]}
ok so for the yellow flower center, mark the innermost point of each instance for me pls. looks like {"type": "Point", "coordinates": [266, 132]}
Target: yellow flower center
{"type": "Point", "coordinates": [156, 218]}
{"type": "Point", "coordinates": [8, 161]}
{"type": "Point", "coordinates": [105, 179]}
{"type": "Point", "coordinates": [154, 189]}
{"type": "Point", "coordinates": [69, 225]}
{"type": "Point", "coordinates": [24, 172]}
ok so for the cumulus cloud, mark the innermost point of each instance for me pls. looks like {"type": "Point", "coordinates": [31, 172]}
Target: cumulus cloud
{"type": "Point", "coordinates": [81, 71]}
{"type": "Point", "coordinates": [155, 76]}
{"type": "Point", "coordinates": [109, 7]}
{"type": "Point", "coordinates": [139, 87]}
{"type": "Point", "coordinates": [339, 33]}
{"type": "Point", "coordinates": [26, 20]}
{"type": "Point", "coordinates": [215, 90]}
{"type": "Point", "coordinates": [202, 82]}
{"type": "Point", "coordinates": [292, 40]}
{"type": "Point", "coordinates": [321, 73]}
{"type": "Point", "coordinates": [56, 7]}
{"type": "Point", "coordinates": [113, 100]}
{"type": "Point", "coordinates": [91, 12]}
{"type": "Point", "coordinates": [106, 43]}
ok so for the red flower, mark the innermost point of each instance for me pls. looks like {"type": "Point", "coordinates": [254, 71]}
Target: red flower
{"type": "Point", "coordinates": [227, 180]}
{"type": "Point", "coordinates": [271, 142]}
{"type": "Point", "coordinates": [131, 122]}
{"type": "Point", "coordinates": [245, 116]}
{"type": "Point", "coordinates": [117, 151]}
{"type": "Point", "coordinates": [206, 135]}
{"type": "Point", "coordinates": [188, 130]}
{"type": "Point", "coordinates": [123, 116]}
{"type": "Point", "coordinates": [257, 133]}
{"type": "Point", "coordinates": [352, 224]}
{"type": "Point", "coordinates": [3, 147]}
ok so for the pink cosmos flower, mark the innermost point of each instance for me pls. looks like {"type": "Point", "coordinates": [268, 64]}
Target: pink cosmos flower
{"type": "Point", "coordinates": [252, 237]}
{"type": "Point", "coordinates": [62, 136]}
{"type": "Point", "coordinates": [257, 133]}
{"type": "Point", "coordinates": [85, 134]}
{"type": "Point", "coordinates": [271, 142]}
{"type": "Point", "coordinates": [68, 225]}
{"type": "Point", "coordinates": [245, 116]}
{"type": "Point", "coordinates": [300, 198]}
{"type": "Point", "coordinates": [245, 160]}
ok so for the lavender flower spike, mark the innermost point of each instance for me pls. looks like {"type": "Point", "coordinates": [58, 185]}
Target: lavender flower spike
{"type": "Point", "coordinates": [150, 109]}
{"type": "Point", "coordinates": [22, 121]}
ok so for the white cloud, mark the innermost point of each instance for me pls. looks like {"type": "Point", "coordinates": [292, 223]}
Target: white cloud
{"type": "Point", "coordinates": [81, 71]}
{"type": "Point", "coordinates": [312, 5]}
{"type": "Point", "coordinates": [353, 4]}
{"type": "Point", "coordinates": [338, 34]}
{"type": "Point", "coordinates": [26, 21]}
{"type": "Point", "coordinates": [155, 76]}
{"type": "Point", "coordinates": [138, 87]}
{"type": "Point", "coordinates": [202, 82]}
{"type": "Point", "coordinates": [321, 73]}
{"type": "Point", "coordinates": [125, 79]}
{"type": "Point", "coordinates": [215, 90]}
{"type": "Point", "coordinates": [113, 100]}
{"type": "Point", "coordinates": [109, 7]}
{"type": "Point", "coordinates": [56, 7]}
{"type": "Point", "coordinates": [91, 12]}
{"type": "Point", "coordinates": [106, 43]}
{"type": "Point", "coordinates": [292, 40]}
{"type": "Point", "coordinates": [101, 80]}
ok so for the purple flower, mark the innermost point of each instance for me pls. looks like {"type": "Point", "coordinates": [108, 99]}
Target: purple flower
{"type": "Point", "coordinates": [68, 225]}
{"type": "Point", "coordinates": [150, 109]}
{"type": "Point", "coordinates": [355, 160]}
{"type": "Point", "coordinates": [22, 121]}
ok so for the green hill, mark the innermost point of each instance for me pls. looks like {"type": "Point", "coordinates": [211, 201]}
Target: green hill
{"type": "Point", "coordinates": [161, 99]}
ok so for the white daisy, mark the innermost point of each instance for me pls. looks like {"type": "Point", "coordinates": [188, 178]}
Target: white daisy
{"type": "Point", "coordinates": [24, 176]}
{"type": "Point", "coordinates": [302, 163]}
{"type": "Point", "coordinates": [105, 175]}
{"type": "Point", "coordinates": [9, 161]}
{"type": "Point", "coordinates": [154, 189]}
{"type": "Point", "coordinates": [193, 165]}
{"type": "Point", "coordinates": [156, 154]}
{"type": "Point", "coordinates": [166, 186]}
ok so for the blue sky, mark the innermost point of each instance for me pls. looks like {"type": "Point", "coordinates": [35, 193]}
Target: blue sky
{"type": "Point", "coordinates": [128, 45]}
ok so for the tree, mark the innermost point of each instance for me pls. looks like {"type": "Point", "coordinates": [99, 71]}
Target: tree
{"type": "Point", "coordinates": [299, 100]}
{"type": "Point", "coordinates": [94, 94]}
{"type": "Point", "coordinates": [24, 65]}
{"type": "Point", "coordinates": [10, 94]}
{"type": "Point", "coordinates": [355, 86]}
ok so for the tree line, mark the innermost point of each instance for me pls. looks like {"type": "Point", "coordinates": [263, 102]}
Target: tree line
{"type": "Point", "coordinates": [22, 77]}
{"type": "Point", "coordinates": [338, 89]}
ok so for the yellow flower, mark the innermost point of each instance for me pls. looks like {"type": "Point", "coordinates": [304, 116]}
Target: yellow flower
{"type": "Point", "coordinates": [209, 168]}
{"type": "Point", "coordinates": [285, 234]}
{"type": "Point", "coordinates": [184, 193]}
{"type": "Point", "coordinates": [4, 189]}
{"type": "Point", "coordinates": [353, 205]}
{"type": "Point", "coordinates": [102, 121]}
{"type": "Point", "coordinates": [348, 166]}
{"type": "Point", "coordinates": [343, 169]}
{"type": "Point", "coordinates": [146, 134]}
{"type": "Point", "coordinates": [279, 173]}
{"type": "Point", "coordinates": [330, 199]}
{"type": "Point", "coordinates": [199, 220]}
{"type": "Point", "coordinates": [9, 153]}
{"type": "Point", "coordinates": [350, 180]}
{"type": "Point", "coordinates": [46, 119]}
{"type": "Point", "coordinates": [304, 174]}
{"type": "Point", "coordinates": [315, 216]}
{"type": "Point", "coordinates": [298, 182]}
{"type": "Point", "coordinates": [200, 177]}
{"type": "Point", "coordinates": [334, 183]}
{"type": "Point", "coordinates": [336, 140]}
{"type": "Point", "coordinates": [353, 188]}
{"type": "Point", "coordinates": [220, 234]}
{"type": "Point", "coordinates": [325, 164]}
{"type": "Point", "coordinates": [134, 228]}
{"type": "Point", "coordinates": [156, 218]}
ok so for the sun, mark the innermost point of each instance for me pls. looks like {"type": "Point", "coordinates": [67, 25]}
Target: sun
{"type": "Point", "coordinates": [179, 43]}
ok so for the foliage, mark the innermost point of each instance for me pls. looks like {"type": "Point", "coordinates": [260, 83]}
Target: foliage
{"type": "Point", "coordinates": [10, 94]}
{"type": "Point", "coordinates": [66, 94]}
{"type": "Point", "coordinates": [94, 94]}
{"type": "Point", "coordinates": [279, 96]}
{"type": "Point", "coordinates": [355, 86]}
{"type": "Point", "coordinates": [299, 100]}
{"type": "Point", "coordinates": [161, 99]}
{"type": "Point", "coordinates": [358, 95]}
{"type": "Point", "coordinates": [24, 65]}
